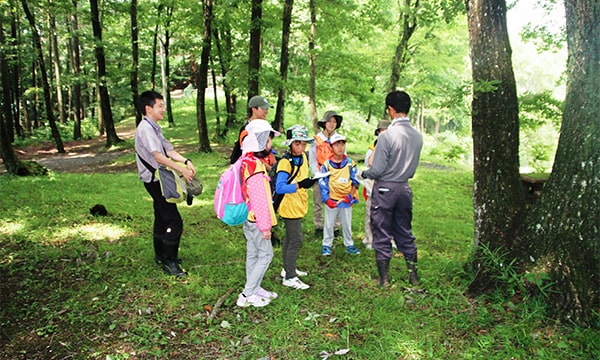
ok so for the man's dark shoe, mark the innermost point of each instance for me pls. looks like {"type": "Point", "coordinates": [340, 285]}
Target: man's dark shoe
{"type": "Point", "coordinates": [275, 241]}
{"type": "Point", "coordinates": [173, 269]}
{"type": "Point", "coordinates": [336, 233]}
{"type": "Point", "coordinates": [319, 233]}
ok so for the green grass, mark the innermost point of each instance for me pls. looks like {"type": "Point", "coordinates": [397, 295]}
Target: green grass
{"type": "Point", "coordinates": [83, 287]}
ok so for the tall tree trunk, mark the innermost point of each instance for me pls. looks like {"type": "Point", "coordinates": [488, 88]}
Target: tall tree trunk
{"type": "Point", "coordinates": [135, 54]}
{"type": "Point", "coordinates": [254, 49]}
{"type": "Point", "coordinates": [213, 76]}
{"type": "Point", "coordinates": [563, 229]}
{"type": "Point", "coordinates": [311, 60]}
{"type": "Point", "coordinates": [76, 71]}
{"type": "Point", "coordinates": [7, 152]}
{"type": "Point", "coordinates": [498, 197]}
{"type": "Point", "coordinates": [201, 79]}
{"type": "Point", "coordinates": [283, 66]}
{"type": "Point", "coordinates": [16, 74]}
{"type": "Point", "coordinates": [167, 67]}
{"type": "Point", "coordinates": [225, 62]}
{"type": "Point", "coordinates": [45, 83]}
{"type": "Point", "coordinates": [401, 56]}
{"type": "Point", "coordinates": [154, 52]}
{"type": "Point", "coordinates": [56, 63]}
{"type": "Point", "coordinates": [105, 110]}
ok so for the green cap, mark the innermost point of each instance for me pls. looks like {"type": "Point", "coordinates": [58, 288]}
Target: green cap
{"type": "Point", "coordinates": [259, 101]}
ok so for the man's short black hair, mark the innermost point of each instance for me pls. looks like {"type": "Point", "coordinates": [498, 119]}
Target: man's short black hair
{"type": "Point", "coordinates": [148, 98]}
{"type": "Point", "coordinates": [399, 100]}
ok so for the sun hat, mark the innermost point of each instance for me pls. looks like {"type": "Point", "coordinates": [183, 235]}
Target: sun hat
{"type": "Point", "coordinates": [335, 138]}
{"type": "Point", "coordinates": [259, 101]}
{"type": "Point", "coordinates": [297, 133]}
{"type": "Point", "coordinates": [327, 116]}
{"type": "Point", "coordinates": [383, 124]}
{"type": "Point", "coordinates": [258, 134]}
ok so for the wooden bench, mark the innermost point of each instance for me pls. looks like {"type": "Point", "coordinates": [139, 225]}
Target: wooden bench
{"type": "Point", "coordinates": [533, 186]}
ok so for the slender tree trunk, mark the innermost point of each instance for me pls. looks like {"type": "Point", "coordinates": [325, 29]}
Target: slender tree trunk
{"type": "Point", "coordinates": [57, 73]}
{"type": "Point", "coordinates": [254, 49]}
{"type": "Point", "coordinates": [202, 77]}
{"type": "Point", "coordinates": [213, 75]}
{"type": "Point", "coordinates": [104, 98]}
{"type": "Point", "coordinates": [167, 67]}
{"type": "Point", "coordinates": [311, 60]}
{"type": "Point", "coordinates": [283, 66]}
{"type": "Point", "coordinates": [45, 83]}
{"type": "Point", "coordinates": [154, 52]}
{"type": "Point", "coordinates": [133, 80]}
{"type": "Point", "coordinates": [76, 71]}
{"type": "Point", "coordinates": [225, 61]}
{"type": "Point", "coordinates": [401, 57]}
{"type": "Point", "coordinates": [16, 74]}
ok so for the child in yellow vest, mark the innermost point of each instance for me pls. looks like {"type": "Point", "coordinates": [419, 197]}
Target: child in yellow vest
{"type": "Point", "coordinates": [339, 193]}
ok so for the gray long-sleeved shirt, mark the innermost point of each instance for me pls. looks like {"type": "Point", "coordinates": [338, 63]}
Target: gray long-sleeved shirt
{"type": "Point", "coordinates": [397, 153]}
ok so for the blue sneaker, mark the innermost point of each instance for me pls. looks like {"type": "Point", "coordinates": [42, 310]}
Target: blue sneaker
{"type": "Point", "coordinates": [352, 250]}
{"type": "Point", "coordinates": [326, 250]}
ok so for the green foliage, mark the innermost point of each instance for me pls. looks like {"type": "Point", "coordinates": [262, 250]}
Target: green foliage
{"type": "Point", "coordinates": [538, 109]}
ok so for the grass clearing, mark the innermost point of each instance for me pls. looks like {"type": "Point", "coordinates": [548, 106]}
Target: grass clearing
{"type": "Point", "coordinates": [84, 287]}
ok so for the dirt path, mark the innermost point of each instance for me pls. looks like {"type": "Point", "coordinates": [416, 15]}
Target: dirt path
{"type": "Point", "coordinates": [84, 156]}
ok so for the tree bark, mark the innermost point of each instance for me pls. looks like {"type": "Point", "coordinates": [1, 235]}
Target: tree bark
{"type": "Point", "coordinates": [45, 83]}
{"type": "Point", "coordinates": [202, 79]}
{"type": "Point", "coordinates": [498, 197]}
{"type": "Point", "coordinates": [105, 110]}
{"type": "Point", "coordinates": [225, 62]}
{"type": "Point", "coordinates": [562, 232]}
{"type": "Point", "coordinates": [57, 73]}
{"type": "Point", "coordinates": [135, 54]}
{"type": "Point", "coordinates": [76, 71]}
{"type": "Point", "coordinates": [283, 65]}
{"type": "Point", "coordinates": [311, 60]}
{"type": "Point", "coordinates": [254, 49]}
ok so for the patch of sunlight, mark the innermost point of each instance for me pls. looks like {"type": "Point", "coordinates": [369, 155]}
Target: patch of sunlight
{"type": "Point", "coordinates": [409, 349]}
{"type": "Point", "coordinates": [92, 232]}
{"type": "Point", "coordinates": [10, 227]}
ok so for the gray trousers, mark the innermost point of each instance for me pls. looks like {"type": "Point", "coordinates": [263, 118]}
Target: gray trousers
{"type": "Point", "coordinates": [317, 207]}
{"type": "Point", "coordinates": [391, 218]}
{"type": "Point", "coordinates": [291, 246]}
{"type": "Point", "coordinates": [259, 253]}
{"type": "Point", "coordinates": [345, 217]}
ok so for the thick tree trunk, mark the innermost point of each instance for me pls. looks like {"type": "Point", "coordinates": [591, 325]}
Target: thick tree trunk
{"type": "Point", "coordinates": [498, 197]}
{"type": "Point", "coordinates": [202, 79]}
{"type": "Point", "coordinates": [283, 65]}
{"type": "Point", "coordinates": [105, 110]}
{"type": "Point", "coordinates": [135, 54]}
{"type": "Point", "coordinates": [45, 83]}
{"type": "Point", "coordinates": [563, 230]}
{"type": "Point", "coordinates": [254, 49]}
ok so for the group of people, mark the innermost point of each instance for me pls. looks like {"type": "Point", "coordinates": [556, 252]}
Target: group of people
{"type": "Point", "coordinates": [325, 167]}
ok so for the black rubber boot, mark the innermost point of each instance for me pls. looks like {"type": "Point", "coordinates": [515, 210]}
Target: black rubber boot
{"type": "Point", "coordinates": [383, 267]}
{"type": "Point", "coordinates": [411, 265]}
{"type": "Point", "coordinates": [170, 263]}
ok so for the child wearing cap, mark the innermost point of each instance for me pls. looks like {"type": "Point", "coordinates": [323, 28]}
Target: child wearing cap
{"type": "Point", "coordinates": [320, 151]}
{"type": "Point", "coordinates": [261, 216]}
{"type": "Point", "coordinates": [293, 182]}
{"type": "Point", "coordinates": [339, 192]}
{"type": "Point", "coordinates": [368, 184]}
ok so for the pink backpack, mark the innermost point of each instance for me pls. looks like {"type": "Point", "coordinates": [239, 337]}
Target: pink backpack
{"type": "Point", "coordinates": [229, 203]}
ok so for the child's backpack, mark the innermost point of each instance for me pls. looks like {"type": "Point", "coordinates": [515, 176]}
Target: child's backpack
{"type": "Point", "coordinates": [229, 203]}
{"type": "Point", "coordinates": [277, 198]}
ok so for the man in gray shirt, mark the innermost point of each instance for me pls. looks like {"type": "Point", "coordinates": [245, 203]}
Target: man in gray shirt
{"type": "Point", "coordinates": [394, 162]}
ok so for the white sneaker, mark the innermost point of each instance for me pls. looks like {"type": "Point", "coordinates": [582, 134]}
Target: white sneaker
{"type": "Point", "coordinates": [271, 295]}
{"type": "Point", "coordinates": [295, 283]}
{"type": "Point", "coordinates": [298, 273]}
{"type": "Point", "coordinates": [253, 300]}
